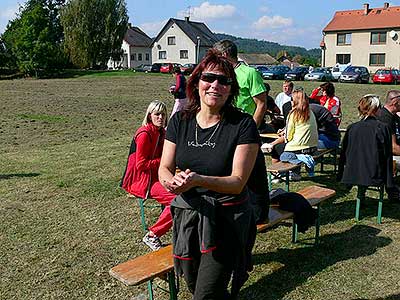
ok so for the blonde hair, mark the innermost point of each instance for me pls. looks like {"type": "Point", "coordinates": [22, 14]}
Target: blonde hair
{"type": "Point", "coordinates": [155, 106]}
{"type": "Point", "coordinates": [301, 108]}
{"type": "Point", "coordinates": [368, 106]}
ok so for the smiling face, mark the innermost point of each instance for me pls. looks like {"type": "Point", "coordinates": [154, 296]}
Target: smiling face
{"type": "Point", "coordinates": [158, 119]}
{"type": "Point", "coordinates": [215, 93]}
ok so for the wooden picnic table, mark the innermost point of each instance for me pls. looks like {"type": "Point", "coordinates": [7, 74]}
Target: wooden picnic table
{"type": "Point", "coordinates": [269, 135]}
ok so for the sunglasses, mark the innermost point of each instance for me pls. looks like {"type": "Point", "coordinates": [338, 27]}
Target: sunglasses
{"type": "Point", "coordinates": [211, 77]}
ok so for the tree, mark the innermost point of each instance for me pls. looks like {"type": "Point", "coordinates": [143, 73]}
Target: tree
{"type": "Point", "coordinates": [93, 30]}
{"type": "Point", "coordinates": [34, 38]}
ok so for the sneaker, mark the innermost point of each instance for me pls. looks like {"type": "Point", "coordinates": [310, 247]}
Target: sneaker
{"type": "Point", "coordinates": [152, 241]}
{"type": "Point", "coordinates": [294, 176]}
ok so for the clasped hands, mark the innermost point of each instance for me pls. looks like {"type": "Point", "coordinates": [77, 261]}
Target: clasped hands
{"type": "Point", "coordinates": [181, 182]}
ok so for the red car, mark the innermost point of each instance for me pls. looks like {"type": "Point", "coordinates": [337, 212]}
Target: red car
{"type": "Point", "coordinates": [166, 68]}
{"type": "Point", "coordinates": [386, 76]}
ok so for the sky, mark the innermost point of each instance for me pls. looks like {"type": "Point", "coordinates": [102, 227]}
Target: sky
{"type": "Point", "coordinates": [287, 22]}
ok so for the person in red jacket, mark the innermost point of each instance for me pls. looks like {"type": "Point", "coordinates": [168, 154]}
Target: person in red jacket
{"type": "Point", "coordinates": [325, 94]}
{"type": "Point", "coordinates": [141, 175]}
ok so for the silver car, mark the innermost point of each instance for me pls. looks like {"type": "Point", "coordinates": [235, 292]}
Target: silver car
{"type": "Point", "coordinates": [319, 74]}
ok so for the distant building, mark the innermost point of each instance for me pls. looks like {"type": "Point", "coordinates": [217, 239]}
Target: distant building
{"type": "Point", "coordinates": [257, 58]}
{"type": "Point", "coordinates": [367, 37]}
{"type": "Point", "coordinates": [182, 41]}
{"type": "Point", "coordinates": [136, 50]}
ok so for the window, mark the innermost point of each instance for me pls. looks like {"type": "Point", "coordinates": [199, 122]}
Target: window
{"type": "Point", "coordinates": [343, 58]}
{"type": "Point", "coordinates": [147, 56]}
{"type": "Point", "coordinates": [378, 38]}
{"type": "Point", "coordinates": [133, 56]}
{"type": "Point", "coordinates": [184, 54]}
{"type": "Point", "coordinates": [162, 54]}
{"type": "Point", "coordinates": [343, 39]}
{"type": "Point", "coordinates": [171, 40]}
{"type": "Point", "coordinates": [377, 59]}
{"type": "Point", "coordinates": [139, 56]}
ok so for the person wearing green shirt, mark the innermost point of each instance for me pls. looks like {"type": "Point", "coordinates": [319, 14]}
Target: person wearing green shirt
{"type": "Point", "coordinates": [252, 95]}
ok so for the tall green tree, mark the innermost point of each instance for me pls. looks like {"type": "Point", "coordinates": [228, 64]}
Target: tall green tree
{"type": "Point", "coordinates": [93, 30]}
{"type": "Point", "coordinates": [34, 37]}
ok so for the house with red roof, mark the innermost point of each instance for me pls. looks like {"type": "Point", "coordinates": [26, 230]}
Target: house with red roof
{"type": "Point", "coordinates": [366, 37]}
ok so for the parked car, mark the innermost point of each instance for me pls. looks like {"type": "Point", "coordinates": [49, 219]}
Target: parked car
{"type": "Point", "coordinates": [355, 74]}
{"type": "Point", "coordinates": [142, 68]}
{"type": "Point", "coordinates": [337, 70]}
{"type": "Point", "coordinates": [276, 72]}
{"type": "Point", "coordinates": [155, 68]}
{"type": "Point", "coordinates": [262, 70]}
{"type": "Point", "coordinates": [297, 73]}
{"type": "Point", "coordinates": [386, 76]}
{"type": "Point", "coordinates": [187, 69]}
{"type": "Point", "coordinates": [168, 67]}
{"type": "Point", "coordinates": [319, 74]}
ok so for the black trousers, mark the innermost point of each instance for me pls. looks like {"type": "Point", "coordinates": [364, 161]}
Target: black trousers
{"type": "Point", "coordinates": [210, 280]}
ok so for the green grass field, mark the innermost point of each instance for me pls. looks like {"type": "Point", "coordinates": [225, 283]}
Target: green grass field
{"type": "Point", "coordinates": [64, 222]}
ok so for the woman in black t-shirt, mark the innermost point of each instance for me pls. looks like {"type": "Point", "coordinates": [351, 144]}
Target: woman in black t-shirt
{"type": "Point", "coordinates": [215, 145]}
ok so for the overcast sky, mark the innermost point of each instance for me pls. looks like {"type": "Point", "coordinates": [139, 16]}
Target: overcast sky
{"type": "Point", "coordinates": [289, 22]}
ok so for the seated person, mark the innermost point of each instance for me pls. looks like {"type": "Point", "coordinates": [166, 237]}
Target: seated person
{"type": "Point", "coordinates": [328, 131]}
{"type": "Point", "coordinates": [141, 174]}
{"type": "Point", "coordinates": [301, 133]}
{"type": "Point", "coordinates": [366, 157]}
{"type": "Point", "coordinates": [276, 120]}
{"type": "Point", "coordinates": [325, 94]}
{"type": "Point", "coordinates": [285, 95]}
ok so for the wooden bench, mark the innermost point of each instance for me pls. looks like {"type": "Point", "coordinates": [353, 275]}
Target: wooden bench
{"type": "Point", "coordinates": [285, 167]}
{"type": "Point", "coordinates": [160, 263]}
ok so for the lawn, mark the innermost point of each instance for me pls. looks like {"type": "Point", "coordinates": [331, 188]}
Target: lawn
{"type": "Point", "coordinates": [65, 222]}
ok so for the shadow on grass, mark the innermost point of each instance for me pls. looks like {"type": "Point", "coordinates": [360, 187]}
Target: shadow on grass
{"type": "Point", "coordinates": [303, 263]}
{"type": "Point", "coordinates": [391, 297]}
{"type": "Point", "coordinates": [20, 175]}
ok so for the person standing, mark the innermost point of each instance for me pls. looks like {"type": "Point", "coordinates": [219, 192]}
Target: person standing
{"type": "Point", "coordinates": [215, 145]}
{"type": "Point", "coordinates": [178, 90]}
{"type": "Point", "coordinates": [252, 99]}
{"type": "Point", "coordinates": [252, 95]}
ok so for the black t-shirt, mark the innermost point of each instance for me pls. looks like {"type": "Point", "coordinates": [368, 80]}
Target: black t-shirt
{"type": "Point", "coordinates": [325, 121]}
{"type": "Point", "coordinates": [212, 153]}
{"type": "Point", "coordinates": [387, 117]}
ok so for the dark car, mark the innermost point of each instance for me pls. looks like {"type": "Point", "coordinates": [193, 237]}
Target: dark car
{"type": "Point", "coordinates": [142, 68]}
{"type": "Point", "coordinates": [276, 72]}
{"type": "Point", "coordinates": [297, 73]}
{"type": "Point", "coordinates": [386, 76]}
{"type": "Point", "coordinates": [187, 69]}
{"type": "Point", "coordinates": [262, 70]}
{"type": "Point", "coordinates": [155, 68]}
{"type": "Point", "coordinates": [355, 74]}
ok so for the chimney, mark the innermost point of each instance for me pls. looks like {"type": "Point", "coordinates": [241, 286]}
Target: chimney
{"type": "Point", "coordinates": [386, 5]}
{"type": "Point", "coordinates": [129, 25]}
{"type": "Point", "coordinates": [187, 19]}
{"type": "Point", "coordinates": [366, 8]}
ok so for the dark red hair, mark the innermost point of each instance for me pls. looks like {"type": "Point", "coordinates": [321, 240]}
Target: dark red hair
{"type": "Point", "coordinates": [212, 60]}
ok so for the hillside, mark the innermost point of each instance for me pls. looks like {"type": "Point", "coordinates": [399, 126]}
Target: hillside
{"type": "Point", "coordinates": [256, 46]}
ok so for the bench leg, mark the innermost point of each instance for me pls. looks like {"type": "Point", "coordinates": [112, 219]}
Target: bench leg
{"type": "Point", "coordinates": [322, 163]}
{"type": "Point", "coordinates": [142, 214]}
{"type": "Point", "coordinates": [173, 292]}
{"type": "Point", "coordinates": [380, 204]}
{"type": "Point", "coordinates": [269, 181]}
{"type": "Point", "coordinates": [317, 224]}
{"type": "Point", "coordinates": [334, 160]}
{"type": "Point", "coordinates": [287, 181]}
{"type": "Point", "coordinates": [150, 289]}
{"type": "Point", "coordinates": [360, 197]}
{"type": "Point", "coordinates": [294, 232]}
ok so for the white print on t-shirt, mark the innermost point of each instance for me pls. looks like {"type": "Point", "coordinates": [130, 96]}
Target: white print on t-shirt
{"type": "Point", "coordinates": [205, 144]}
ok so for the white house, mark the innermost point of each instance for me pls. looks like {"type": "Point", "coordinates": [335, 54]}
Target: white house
{"type": "Point", "coordinates": [182, 41]}
{"type": "Point", "coordinates": [136, 48]}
